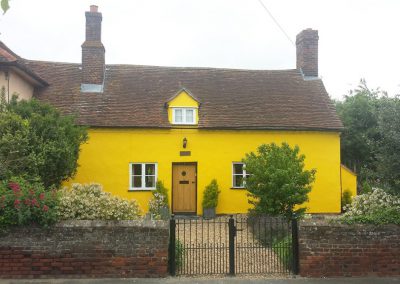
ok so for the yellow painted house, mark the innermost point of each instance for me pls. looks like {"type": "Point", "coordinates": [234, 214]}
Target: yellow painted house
{"type": "Point", "coordinates": [187, 126]}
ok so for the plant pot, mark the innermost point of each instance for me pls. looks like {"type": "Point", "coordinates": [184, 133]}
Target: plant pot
{"type": "Point", "coordinates": [164, 212]}
{"type": "Point", "coordinates": [209, 213]}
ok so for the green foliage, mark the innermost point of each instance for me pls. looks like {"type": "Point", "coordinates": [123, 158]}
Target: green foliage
{"type": "Point", "coordinates": [366, 188]}
{"type": "Point", "coordinates": [25, 203]}
{"type": "Point", "coordinates": [38, 143]}
{"type": "Point", "coordinates": [5, 5]}
{"type": "Point", "coordinates": [346, 198]}
{"type": "Point", "coordinates": [158, 204]}
{"type": "Point", "coordinates": [3, 102]}
{"type": "Point", "coordinates": [210, 195]}
{"type": "Point", "coordinates": [378, 217]}
{"type": "Point", "coordinates": [90, 202]}
{"type": "Point", "coordinates": [278, 181]}
{"type": "Point", "coordinates": [283, 249]}
{"type": "Point", "coordinates": [370, 142]}
{"type": "Point", "coordinates": [376, 207]}
{"type": "Point", "coordinates": [16, 157]}
{"type": "Point", "coordinates": [179, 253]}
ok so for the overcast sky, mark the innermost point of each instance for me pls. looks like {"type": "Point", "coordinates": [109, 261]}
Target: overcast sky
{"type": "Point", "coordinates": [358, 38]}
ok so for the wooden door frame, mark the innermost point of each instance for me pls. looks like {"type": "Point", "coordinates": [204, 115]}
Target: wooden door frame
{"type": "Point", "coordinates": [172, 187]}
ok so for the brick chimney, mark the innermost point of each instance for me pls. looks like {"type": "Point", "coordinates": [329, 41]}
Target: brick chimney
{"type": "Point", "coordinates": [307, 52]}
{"type": "Point", "coordinates": [93, 52]}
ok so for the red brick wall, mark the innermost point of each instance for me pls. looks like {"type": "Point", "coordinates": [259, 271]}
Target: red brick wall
{"type": "Point", "coordinates": [307, 52]}
{"type": "Point", "coordinates": [93, 52]}
{"type": "Point", "coordinates": [86, 249]}
{"type": "Point", "coordinates": [330, 250]}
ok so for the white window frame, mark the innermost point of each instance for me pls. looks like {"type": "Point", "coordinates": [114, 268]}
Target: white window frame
{"type": "Point", "coordinates": [143, 175]}
{"type": "Point", "coordinates": [184, 109]}
{"type": "Point", "coordinates": [244, 174]}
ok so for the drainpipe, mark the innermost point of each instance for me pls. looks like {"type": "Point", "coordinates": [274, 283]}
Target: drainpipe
{"type": "Point", "coordinates": [7, 75]}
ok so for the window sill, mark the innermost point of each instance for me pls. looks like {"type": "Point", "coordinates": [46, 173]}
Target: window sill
{"type": "Point", "coordinates": [239, 188]}
{"type": "Point", "coordinates": [140, 189]}
{"type": "Point", "coordinates": [184, 124]}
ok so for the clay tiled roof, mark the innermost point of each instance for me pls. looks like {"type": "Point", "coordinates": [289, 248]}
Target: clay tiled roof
{"type": "Point", "coordinates": [135, 96]}
{"type": "Point", "coordinates": [11, 60]}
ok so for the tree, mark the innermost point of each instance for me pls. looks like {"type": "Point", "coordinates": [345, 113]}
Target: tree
{"type": "Point", "coordinates": [370, 142]}
{"type": "Point", "coordinates": [388, 147]}
{"type": "Point", "coordinates": [5, 5]}
{"type": "Point", "coordinates": [358, 113]}
{"type": "Point", "coordinates": [38, 143]}
{"type": "Point", "coordinates": [278, 182]}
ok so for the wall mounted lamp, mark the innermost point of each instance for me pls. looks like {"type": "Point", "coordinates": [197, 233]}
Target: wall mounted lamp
{"type": "Point", "coordinates": [184, 142]}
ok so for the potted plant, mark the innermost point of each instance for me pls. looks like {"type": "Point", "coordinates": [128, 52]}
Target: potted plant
{"type": "Point", "coordinates": [158, 205]}
{"type": "Point", "coordinates": [210, 199]}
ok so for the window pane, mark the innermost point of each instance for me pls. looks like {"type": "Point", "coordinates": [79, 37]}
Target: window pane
{"type": "Point", "coordinates": [150, 181]}
{"type": "Point", "coordinates": [150, 169]}
{"type": "Point", "coordinates": [137, 169]}
{"type": "Point", "coordinates": [137, 181]}
{"type": "Point", "coordinates": [237, 181]}
{"type": "Point", "coordinates": [189, 116]}
{"type": "Point", "coordinates": [178, 115]}
{"type": "Point", "coordinates": [238, 168]}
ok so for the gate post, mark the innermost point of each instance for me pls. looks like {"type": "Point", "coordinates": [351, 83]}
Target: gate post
{"type": "Point", "coordinates": [295, 246]}
{"type": "Point", "coordinates": [171, 249]}
{"type": "Point", "coordinates": [232, 233]}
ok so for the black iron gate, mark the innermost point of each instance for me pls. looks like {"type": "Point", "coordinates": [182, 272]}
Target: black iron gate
{"type": "Point", "coordinates": [232, 245]}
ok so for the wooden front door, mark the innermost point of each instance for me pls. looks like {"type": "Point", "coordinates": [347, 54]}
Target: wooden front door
{"type": "Point", "coordinates": [184, 188]}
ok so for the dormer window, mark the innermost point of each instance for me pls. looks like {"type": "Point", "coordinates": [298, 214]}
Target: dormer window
{"type": "Point", "coordinates": [183, 109]}
{"type": "Point", "coordinates": [184, 115]}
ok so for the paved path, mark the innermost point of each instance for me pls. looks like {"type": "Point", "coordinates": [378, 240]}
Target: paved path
{"type": "Point", "coordinates": [171, 280]}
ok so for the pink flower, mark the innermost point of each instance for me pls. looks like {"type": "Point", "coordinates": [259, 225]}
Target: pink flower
{"type": "Point", "coordinates": [41, 196]}
{"type": "Point", "coordinates": [45, 208]}
{"type": "Point", "coordinates": [35, 203]}
{"type": "Point", "coordinates": [27, 202]}
{"type": "Point", "coordinates": [14, 186]}
{"type": "Point", "coordinates": [16, 203]}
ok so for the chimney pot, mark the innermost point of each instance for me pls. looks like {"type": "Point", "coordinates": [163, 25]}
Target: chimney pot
{"type": "Point", "coordinates": [307, 52]}
{"type": "Point", "coordinates": [94, 8]}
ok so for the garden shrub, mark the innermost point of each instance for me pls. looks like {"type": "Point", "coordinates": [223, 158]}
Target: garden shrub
{"type": "Point", "coordinates": [90, 202]}
{"type": "Point", "coordinates": [210, 195]}
{"type": "Point", "coordinates": [25, 203]}
{"type": "Point", "coordinates": [278, 183]}
{"type": "Point", "coordinates": [376, 207]}
{"type": "Point", "coordinates": [158, 204]}
{"type": "Point", "coordinates": [38, 143]}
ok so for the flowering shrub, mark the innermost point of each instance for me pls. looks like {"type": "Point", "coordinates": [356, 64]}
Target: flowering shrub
{"type": "Point", "coordinates": [376, 207]}
{"type": "Point", "coordinates": [158, 204]}
{"type": "Point", "coordinates": [23, 203]}
{"type": "Point", "coordinates": [90, 202]}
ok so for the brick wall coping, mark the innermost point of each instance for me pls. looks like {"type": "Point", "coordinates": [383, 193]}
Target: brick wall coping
{"type": "Point", "coordinates": [142, 223]}
{"type": "Point", "coordinates": [330, 222]}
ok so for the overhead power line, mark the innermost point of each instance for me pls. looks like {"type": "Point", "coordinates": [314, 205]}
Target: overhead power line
{"type": "Point", "coordinates": [276, 22]}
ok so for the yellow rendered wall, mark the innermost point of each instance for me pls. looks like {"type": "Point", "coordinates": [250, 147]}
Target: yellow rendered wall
{"type": "Point", "coordinates": [106, 156]}
{"type": "Point", "coordinates": [349, 180]}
